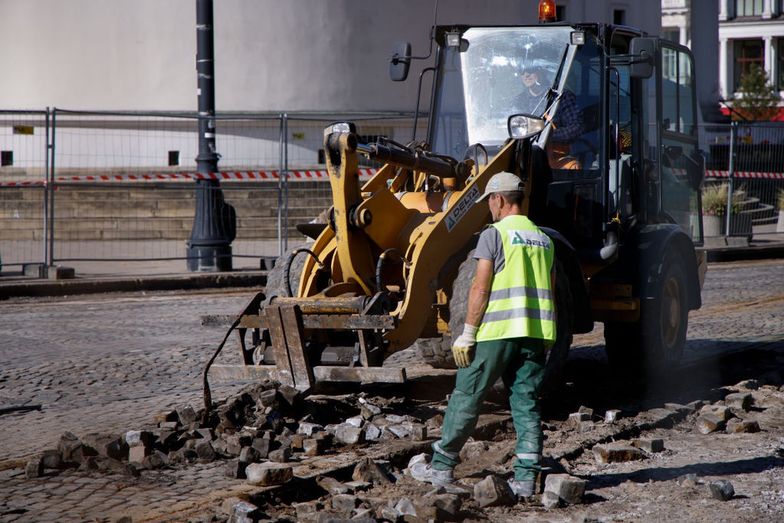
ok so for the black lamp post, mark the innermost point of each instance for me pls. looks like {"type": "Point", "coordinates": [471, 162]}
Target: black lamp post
{"type": "Point", "coordinates": [214, 224]}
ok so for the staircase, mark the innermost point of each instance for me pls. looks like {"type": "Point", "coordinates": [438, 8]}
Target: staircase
{"type": "Point", "coordinates": [152, 211]}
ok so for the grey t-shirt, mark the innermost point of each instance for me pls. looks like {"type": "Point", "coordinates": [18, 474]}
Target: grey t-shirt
{"type": "Point", "coordinates": [490, 247]}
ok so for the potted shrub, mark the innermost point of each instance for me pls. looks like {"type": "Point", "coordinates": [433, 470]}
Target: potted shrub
{"type": "Point", "coordinates": [714, 208]}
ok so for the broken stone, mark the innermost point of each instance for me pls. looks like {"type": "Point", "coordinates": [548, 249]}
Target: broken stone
{"type": "Point", "coordinates": [205, 433]}
{"type": "Point", "coordinates": [372, 432]}
{"type": "Point", "coordinates": [367, 411]}
{"type": "Point", "coordinates": [186, 415]}
{"type": "Point", "coordinates": [267, 398]}
{"type": "Point", "coordinates": [493, 491]}
{"type": "Point", "coordinates": [344, 502]}
{"type": "Point", "coordinates": [443, 507]}
{"type": "Point", "coordinates": [616, 453]}
{"type": "Point", "coordinates": [348, 434]}
{"type": "Point", "coordinates": [710, 422]}
{"type": "Point", "coordinates": [333, 486]}
{"type": "Point", "coordinates": [356, 421]}
{"type": "Point", "coordinates": [576, 418]}
{"type": "Point", "coordinates": [722, 490]}
{"type": "Point", "coordinates": [369, 471]}
{"type": "Point", "coordinates": [169, 425]}
{"type": "Point", "coordinates": [266, 474]}
{"type": "Point", "coordinates": [395, 419]}
{"type": "Point", "coordinates": [358, 486]}
{"type": "Point", "coordinates": [309, 428]}
{"type": "Point", "coordinates": [550, 500]}
{"type": "Point", "coordinates": [719, 411]}
{"type": "Point", "coordinates": [88, 464]}
{"type": "Point", "coordinates": [282, 455]}
{"type": "Point", "coordinates": [51, 459]}
{"type": "Point", "coordinates": [473, 449]}
{"type": "Point", "coordinates": [307, 511]}
{"type": "Point", "coordinates": [434, 424]}
{"type": "Point", "coordinates": [696, 404]}
{"type": "Point", "coordinates": [34, 468]}
{"type": "Point", "coordinates": [387, 513]}
{"type": "Point", "coordinates": [205, 451]}
{"type": "Point", "coordinates": [739, 401]}
{"type": "Point", "coordinates": [612, 416]}
{"type": "Point", "coordinates": [586, 426]}
{"type": "Point", "coordinates": [405, 507]}
{"type": "Point", "coordinates": [416, 431]}
{"type": "Point", "coordinates": [650, 445]}
{"type": "Point", "coordinates": [569, 489]}
{"type": "Point", "coordinates": [689, 480]}
{"type": "Point", "coordinates": [364, 515]}
{"type": "Point", "coordinates": [233, 445]}
{"type": "Point", "coordinates": [751, 384]}
{"type": "Point", "coordinates": [742, 426]}
{"type": "Point", "coordinates": [297, 442]}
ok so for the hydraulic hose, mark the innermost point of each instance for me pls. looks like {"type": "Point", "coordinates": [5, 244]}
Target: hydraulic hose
{"type": "Point", "coordinates": [287, 270]}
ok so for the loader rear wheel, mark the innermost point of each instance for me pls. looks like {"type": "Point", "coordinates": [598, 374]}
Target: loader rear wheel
{"type": "Point", "coordinates": [655, 342]}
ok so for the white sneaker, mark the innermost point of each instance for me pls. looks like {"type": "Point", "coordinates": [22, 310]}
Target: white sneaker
{"type": "Point", "coordinates": [522, 489]}
{"type": "Point", "coordinates": [422, 471]}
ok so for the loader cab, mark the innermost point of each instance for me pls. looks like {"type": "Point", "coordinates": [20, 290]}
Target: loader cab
{"type": "Point", "coordinates": [622, 149]}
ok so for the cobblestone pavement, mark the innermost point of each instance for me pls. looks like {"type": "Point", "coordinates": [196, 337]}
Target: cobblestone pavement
{"type": "Point", "coordinates": [110, 362]}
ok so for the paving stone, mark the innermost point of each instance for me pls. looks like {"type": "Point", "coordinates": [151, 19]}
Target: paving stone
{"type": "Point", "coordinates": [586, 410]}
{"type": "Point", "coordinates": [440, 507]}
{"type": "Point", "coordinates": [206, 452]}
{"type": "Point", "coordinates": [282, 455]}
{"type": "Point", "coordinates": [400, 431]}
{"type": "Point", "coordinates": [368, 410]}
{"type": "Point", "coordinates": [314, 447]}
{"type": "Point", "coordinates": [307, 511]}
{"type": "Point", "coordinates": [356, 421]}
{"type": "Point", "coordinates": [235, 469]}
{"type": "Point", "coordinates": [348, 434]}
{"type": "Point", "coordinates": [344, 502]}
{"type": "Point", "coordinates": [155, 460]}
{"type": "Point", "coordinates": [650, 445]}
{"type": "Point", "coordinates": [267, 474]}
{"type": "Point", "coordinates": [139, 437]}
{"type": "Point", "coordinates": [710, 422]}
{"type": "Point", "coordinates": [417, 431]}
{"type": "Point", "coordinates": [164, 416]}
{"type": "Point", "coordinates": [739, 401]}
{"type": "Point", "coordinates": [309, 428]}
{"type": "Point", "coordinates": [34, 468]}
{"type": "Point", "coordinates": [333, 486]}
{"type": "Point", "coordinates": [576, 418]}
{"type": "Point", "coordinates": [721, 412]}
{"type": "Point", "coordinates": [245, 512]}
{"type": "Point", "coordinates": [722, 490]}
{"type": "Point", "coordinates": [405, 507]}
{"type": "Point", "coordinates": [388, 513]}
{"type": "Point", "coordinates": [137, 453]}
{"type": "Point", "coordinates": [186, 415]}
{"type": "Point", "coordinates": [612, 416]}
{"type": "Point", "coordinates": [372, 432]}
{"type": "Point", "coordinates": [616, 453]}
{"type": "Point", "coordinates": [288, 394]}
{"type": "Point", "coordinates": [262, 446]}
{"type": "Point", "coordinates": [742, 426]}
{"type": "Point", "coordinates": [750, 384]}
{"type": "Point", "coordinates": [71, 449]}
{"type": "Point", "coordinates": [369, 471]}
{"type": "Point", "coordinates": [550, 500]}
{"type": "Point", "coordinates": [569, 489]}
{"type": "Point", "coordinates": [493, 491]}
{"type": "Point", "coordinates": [52, 459]}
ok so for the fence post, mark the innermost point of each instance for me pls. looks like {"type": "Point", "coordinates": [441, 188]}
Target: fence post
{"type": "Point", "coordinates": [52, 151]}
{"type": "Point", "coordinates": [45, 232]}
{"type": "Point", "coordinates": [286, 182]}
{"type": "Point", "coordinates": [281, 138]}
{"type": "Point", "coordinates": [730, 178]}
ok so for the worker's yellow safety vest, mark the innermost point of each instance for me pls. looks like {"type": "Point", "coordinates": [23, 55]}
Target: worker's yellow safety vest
{"type": "Point", "coordinates": [521, 300]}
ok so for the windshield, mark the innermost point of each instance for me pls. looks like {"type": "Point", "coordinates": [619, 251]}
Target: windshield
{"type": "Point", "coordinates": [502, 71]}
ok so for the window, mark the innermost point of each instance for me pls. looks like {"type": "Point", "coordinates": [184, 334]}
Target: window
{"type": "Point", "coordinates": [560, 13]}
{"type": "Point", "coordinates": [747, 52]}
{"type": "Point", "coordinates": [748, 7]}
{"type": "Point", "coordinates": [677, 93]}
{"type": "Point", "coordinates": [780, 79]}
{"type": "Point", "coordinates": [619, 16]}
{"type": "Point", "coordinates": [6, 158]}
{"type": "Point", "coordinates": [673, 34]}
{"type": "Point", "coordinates": [174, 158]}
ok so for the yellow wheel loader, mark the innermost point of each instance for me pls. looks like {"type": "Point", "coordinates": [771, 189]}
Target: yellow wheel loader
{"type": "Point", "coordinates": [605, 141]}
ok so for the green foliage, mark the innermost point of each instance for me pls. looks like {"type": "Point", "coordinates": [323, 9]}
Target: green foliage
{"type": "Point", "coordinates": [756, 99]}
{"type": "Point", "coordinates": [714, 199]}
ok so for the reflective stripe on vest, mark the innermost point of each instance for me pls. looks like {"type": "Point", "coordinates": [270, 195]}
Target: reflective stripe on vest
{"type": "Point", "coordinates": [521, 298]}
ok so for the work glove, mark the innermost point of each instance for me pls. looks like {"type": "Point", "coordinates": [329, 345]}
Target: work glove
{"type": "Point", "coordinates": [463, 347]}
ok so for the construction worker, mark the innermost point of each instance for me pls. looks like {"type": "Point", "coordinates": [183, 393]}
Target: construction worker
{"type": "Point", "coordinates": [509, 324]}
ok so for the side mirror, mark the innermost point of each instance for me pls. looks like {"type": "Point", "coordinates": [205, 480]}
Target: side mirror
{"type": "Point", "coordinates": [400, 62]}
{"type": "Point", "coordinates": [642, 51]}
{"type": "Point", "coordinates": [524, 125]}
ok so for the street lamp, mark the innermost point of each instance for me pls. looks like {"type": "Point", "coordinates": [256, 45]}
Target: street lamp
{"type": "Point", "coordinates": [214, 224]}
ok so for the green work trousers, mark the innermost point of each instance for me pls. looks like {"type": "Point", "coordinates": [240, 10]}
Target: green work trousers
{"type": "Point", "coordinates": [520, 362]}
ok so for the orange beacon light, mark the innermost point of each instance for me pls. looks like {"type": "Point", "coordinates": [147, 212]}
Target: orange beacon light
{"type": "Point", "coordinates": [546, 11]}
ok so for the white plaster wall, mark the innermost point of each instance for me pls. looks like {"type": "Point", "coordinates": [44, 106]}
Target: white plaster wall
{"type": "Point", "coordinates": [271, 55]}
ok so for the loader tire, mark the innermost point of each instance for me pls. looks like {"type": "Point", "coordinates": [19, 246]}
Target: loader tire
{"type": "Point", "coordinates": [558, 353]}
{"type": "Point", "coordinates": [275, 278]}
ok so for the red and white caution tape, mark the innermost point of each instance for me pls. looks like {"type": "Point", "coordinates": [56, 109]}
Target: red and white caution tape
{"type": "Point", "coordinates": [230, 176]}
{"type": "Point", "coordinates": [744, 174]}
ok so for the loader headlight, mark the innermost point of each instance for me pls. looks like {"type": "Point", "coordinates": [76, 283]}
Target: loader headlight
{"type": "Point", "coordinates": [524, 125]}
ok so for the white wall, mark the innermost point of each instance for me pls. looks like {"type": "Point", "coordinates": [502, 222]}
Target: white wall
{"type": "Point", "coordinates": [271, 55]}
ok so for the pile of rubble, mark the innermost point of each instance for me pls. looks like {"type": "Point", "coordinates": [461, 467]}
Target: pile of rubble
{"type": "Point", "coordinates": [260, 431]}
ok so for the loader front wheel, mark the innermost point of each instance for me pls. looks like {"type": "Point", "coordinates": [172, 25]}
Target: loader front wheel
{"type": "Point", "coordinates": [276, 285]}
